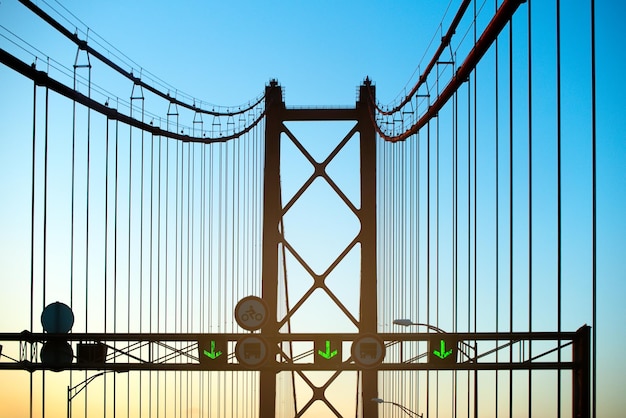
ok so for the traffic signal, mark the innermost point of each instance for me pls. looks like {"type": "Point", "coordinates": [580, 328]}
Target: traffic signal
{"type": "Point", "coordinates": [213, 352]}
{"type": "Point", "coordinates": [442, 350]}
{"type": "Point", "coordinates": [327, 352]}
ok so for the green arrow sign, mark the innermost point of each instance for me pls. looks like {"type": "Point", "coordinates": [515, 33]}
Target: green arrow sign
{"type": "Point", "coordinates": [442, 353]}
{"type": "Point", "coordinates": [212, 354]}
{"type": "Point", "coordinates": [327, 354]}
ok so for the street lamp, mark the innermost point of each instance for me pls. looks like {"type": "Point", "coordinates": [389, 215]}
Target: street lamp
{"type": "Point", "coordinates": [73, 391]}
{"type": "Point", "coordinates": [405, 322]}
{"type": "Point", "coordinates": [403, 408]}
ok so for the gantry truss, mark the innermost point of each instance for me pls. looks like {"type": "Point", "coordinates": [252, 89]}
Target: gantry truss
{"type": "Point", "coordinates": [411, 351]}
{"type": "Point", "coordinates": [169, 351]}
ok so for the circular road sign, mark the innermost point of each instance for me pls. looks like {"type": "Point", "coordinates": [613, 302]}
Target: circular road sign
{"type": "Point", "coordinates": [251, 313]}
{"type": "Point", "coordinates": [57, 318]}
{"type": "Point", "coordinates": [368, 350]}
{"type": "Point", "coordinates": [251, 351]}
{"type": "Point", "coordinates": [56, 354]}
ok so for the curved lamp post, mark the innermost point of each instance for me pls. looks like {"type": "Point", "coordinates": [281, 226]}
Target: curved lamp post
{"type": "Point", "coordinates": [407, 322]}
{"type": "Point", "coordinates": [73, 391]}
{"type": "Point", "coordinates": [403, 408]}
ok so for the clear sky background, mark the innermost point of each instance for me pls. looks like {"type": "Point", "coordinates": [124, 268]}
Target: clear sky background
{"type": "Point", "coordinates": [226, 52]}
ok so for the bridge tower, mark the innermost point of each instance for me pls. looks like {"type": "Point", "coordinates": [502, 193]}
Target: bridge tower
{"type": "Point", "coordinates": [273, 212]}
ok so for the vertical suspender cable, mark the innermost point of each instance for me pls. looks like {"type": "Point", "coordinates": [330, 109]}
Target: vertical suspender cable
{"type": "Point", "coordinates": [437, 249]}
{"type": "Point", "coordinates": [128, 274]}
{"type": "Point", "coordinates": [409, 253]}
{"type": "Point", "coordinates": [428, 255]}
{"type": "Point", "coordinates": [87, 222]}
{"type": "Point", "coordinates": [235, 262]}
{"type": "Point", "coordinates": [594, 319]}
{"type": "Point", "coordinates": [530, 206]}
{"type": "Point", "coordinates": [73, 178]}
{"type": "Point", "coordinates": [45, 215]}
{"type": "Point", "coordinates": [115, 254]}
{"type": "Point", "coordinates": [181, 316]}
{"type": "Point", "coordinates": [204, 314]}
{"type": "Point", "coordinates": [32, 242]}
{"type": "Point", "coordinates": [186, 263]}
{"type": "Point", "coordinates": [177, 228]}
{"type": "Point", "coordinates": [558, 194]}
{"type": "Point", "coordinates": [141, 193]}
{"type": "Point", "coordinates": [202, 272]}
{"type": "Point", "coordinates": [190, 258]}
{"type": "Point", "coordinates": [178, 377]}
{"type": "Point", "coordinates": [106, 248]}
{"type": "Point", "coordinates": [45, 202]}
{"type": "Point", "coordinates": [497, 205]}
{"type": "Point", "coordinates": [511, 210]}
{"type": "Point", "coordinates": [210, 263]}
{"type": "Point", "coordinates": [405, 264]}
{"type": "Point", "coordinates": [158, 272]}
{"type": "Point", "coordinates": [395, 277]}
{"type": "Point", "coordinates": [150, 271]}
{"type": "Point", "coordinates": [87, 215]}
{"type": "Point", "coordinates": [167, 256]}
{"type": "Point", "coordinates": [469, 227]}
{"type": "Point", "coordinates": [219, 266]}
{"type": "Point", "coordinates": [401, 293]}
{"type": "Point", "coordinates": [419, 254]}
{"type": "Point", "coordinates": [455, 237]}
{"type": "Point", "coordinates": [475, 373]}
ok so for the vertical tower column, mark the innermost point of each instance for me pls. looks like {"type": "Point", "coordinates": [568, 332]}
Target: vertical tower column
{"type": "Point", "coordinates": [581, 381]}
{"type": "Point", "coordinates": [271, 238]}
{"type": "Point", "coordinates": [369, 297]}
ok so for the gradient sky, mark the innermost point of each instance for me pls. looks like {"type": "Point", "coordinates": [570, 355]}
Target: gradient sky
{"type": "Point", "coordinates": [226, 52]}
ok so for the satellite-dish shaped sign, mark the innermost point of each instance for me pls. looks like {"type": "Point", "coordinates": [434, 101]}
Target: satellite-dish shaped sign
{"type": "Point", "coordinates": [57, 318]}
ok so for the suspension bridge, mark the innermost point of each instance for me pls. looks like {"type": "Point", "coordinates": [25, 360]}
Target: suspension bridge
{"type": "Point", "coordinates": [435, 256]}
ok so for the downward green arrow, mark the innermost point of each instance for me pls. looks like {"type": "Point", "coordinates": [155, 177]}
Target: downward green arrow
{"type": "Point", "coordinates": [212, 354]}
{"type": "Point", "coordinates": [327, 354]}
{"type": "Point", "coordinates": [442, 353]}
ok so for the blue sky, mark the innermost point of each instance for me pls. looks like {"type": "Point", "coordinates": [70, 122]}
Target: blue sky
{"type": "Point", "coordinates": [225, 52]}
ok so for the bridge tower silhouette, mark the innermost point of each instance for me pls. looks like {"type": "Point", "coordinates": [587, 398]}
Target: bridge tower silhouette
{"type": "Point", "coordinates": [273, 239]}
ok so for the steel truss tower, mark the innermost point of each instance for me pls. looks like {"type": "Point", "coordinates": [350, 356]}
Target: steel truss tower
{"type": "Point", "coordinates": [277, 115]}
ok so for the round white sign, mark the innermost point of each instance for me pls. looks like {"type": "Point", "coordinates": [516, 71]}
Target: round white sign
{"type": "Point", "coordinates": [251, 351]}
{"type": "Point", "coordinates": [368, 350]}
{"type": "Point", "coordinates": [251, 313]}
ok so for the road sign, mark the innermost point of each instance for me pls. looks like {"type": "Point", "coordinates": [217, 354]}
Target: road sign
{"type": "Point", "coordinates": [252, 351]}
{"type": "Point", "coordinates": [368, 350]}
{"type": "Point", "coordinates": [57, 355]}
{"type": "Point", "coordinates": [57, 318]}
{"type": "Point", "coordinates": [327, 352]}
{"type": "Point", "coordinates": [91, 353]}
{"type": "Point", "coordinates": [251, 313]}
{"type": "Point", "coordinates": [442, 349]}
{"type": "Point", "coordinates": [213, 352]}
